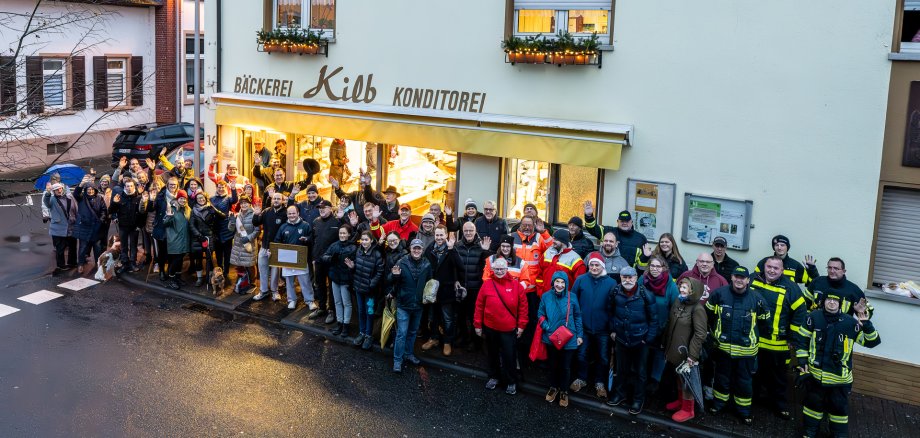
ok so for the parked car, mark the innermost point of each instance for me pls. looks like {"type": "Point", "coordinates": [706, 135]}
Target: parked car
{"type": "Point", "coordinates": [146, 141]}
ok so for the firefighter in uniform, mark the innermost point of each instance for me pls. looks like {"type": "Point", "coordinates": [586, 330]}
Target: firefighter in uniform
{"type": "Point", "coordinates": [835, 282]}
{"type": "Point", "coordinates": [788, 310]}
{"type": "Point", "coordinates": [826, 340]}
{"type": "Point", "coordinates": [792, 268]}
{"type": "Point", "coordinates": [734, 311]}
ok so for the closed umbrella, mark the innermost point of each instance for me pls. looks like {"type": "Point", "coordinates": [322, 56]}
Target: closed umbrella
{"type": "Point", "coordinates": [70, 175]}
{"type": "Point", "coordinates": [388, 321]}
{"type": "Point", "coordinates": [690, 376]}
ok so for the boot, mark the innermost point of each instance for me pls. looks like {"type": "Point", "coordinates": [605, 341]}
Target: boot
{"type": "Point", "coordinates": [685, 413]}
{"type": "Point", "coordinates": [338, 329]}
{"type": "Point", "coordinates": [200, 281]}
{"type": "Point", "coordinates": [679, 403]}
{"type": "Point", "coordinates": [345, 330]}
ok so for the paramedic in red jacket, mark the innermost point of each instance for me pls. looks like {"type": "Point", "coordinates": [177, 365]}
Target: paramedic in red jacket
{"type": "Point", "coordinates": [500, 317]}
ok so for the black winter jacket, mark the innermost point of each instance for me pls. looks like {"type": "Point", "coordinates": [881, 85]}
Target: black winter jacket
{"type": "Point", "coordinates": [410, 282]}
{"type": "Point", "coordinates": [635, 318]}
{"type": "Point", "coordinates": [473, 258]}
{"type": "Point", "coordinates": [335, 257]}
{"type": "Point", "coordinates": [582, 245]}
{"type": "Point", "coordinates": [270, 220]}
{"type": "Point", "coordinates": [368, 270]}
{"type": "Point", "coordinates": [325, 233]}
{"type": "Point", "coordinates": [128, 211]}
{"type": "Point", "coordinates": [203, 225]}
{"type": "Point", "coordinates": [448, 272]}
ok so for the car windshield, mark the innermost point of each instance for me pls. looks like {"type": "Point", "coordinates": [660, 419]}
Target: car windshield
{"type": "Point", "coordinates": [127, 137]}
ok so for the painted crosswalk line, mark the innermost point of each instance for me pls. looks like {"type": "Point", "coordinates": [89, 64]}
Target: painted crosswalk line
{"type": "Point", "coordinates": [78, 284]}
{"type": "Point", "coordinates": [7, 310]}
{"type": "Point", "coordinates": [39, 297]}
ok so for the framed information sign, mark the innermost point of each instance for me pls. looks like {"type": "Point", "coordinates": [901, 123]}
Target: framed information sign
{"type": "Point", "coordinates": [288, 256]}
{"type": "Point", "coordinates": [708, 217]}
{"type": "Point", "coordinates": [652, 207]}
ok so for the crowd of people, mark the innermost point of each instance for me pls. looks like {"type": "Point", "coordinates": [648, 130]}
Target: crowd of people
{"type": "Point", "coordinates": [621, 316]}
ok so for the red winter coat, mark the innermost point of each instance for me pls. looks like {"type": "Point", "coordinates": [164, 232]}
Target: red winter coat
{"type": "Point", "coordinates": [493, 313]}
{"type": "Point", "coordinates": [567, 261]}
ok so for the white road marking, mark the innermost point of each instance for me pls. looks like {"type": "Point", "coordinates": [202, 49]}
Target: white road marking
{"type": "Point", "coordinates": [28, 203]}
{"type": "Point", "coordinates": [7, 310]}
{"type": "Point", "coordinates": [39, 297]}
{"type": "Point", "coordinates": [78, 284]}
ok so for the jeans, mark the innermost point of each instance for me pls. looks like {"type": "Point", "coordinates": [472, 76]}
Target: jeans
{"type": "Point", "coordinates": [86, 246]}
{"type": "Point", "coordinates": [365, 321]}
{"type": "Point", "coordinates": [560, 363]}
{"type": "Point", "coordinates": [407, 323]}
{"type": "Point", "coordinates": [443, 314]}
{"type": "Point", "coordinates": [596, 346]}
{"type": "Point", "coordinates": [631, 371]}
{"type": "Point", "coordinates": [128, 246]}
{"type": "Point", "coordinates": [65, 244]}
{"type": "Point", "coordinates": [306, 287]}
{"type": "Point", "coordinates": [342, 297]}
{"type": "Point", "coordinates": [268, 275]}
{"type": "Point", "coordinates": [500, 349]}
{"type": "Point", "coordinates": [657, 363]}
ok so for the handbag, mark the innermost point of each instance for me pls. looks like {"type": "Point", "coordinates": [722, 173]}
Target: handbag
{"type": "Point", "coordinates": [563, 335]}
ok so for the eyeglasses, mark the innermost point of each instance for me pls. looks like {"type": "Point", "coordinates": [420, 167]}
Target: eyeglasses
{"type": "Point", "coordinates": [655, 266]}
{"type": "Point", "coordinates": [704, 262]}
{"type": "Point", "coordinates": [488, 209]}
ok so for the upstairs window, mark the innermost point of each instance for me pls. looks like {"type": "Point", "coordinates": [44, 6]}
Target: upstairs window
{"type": "Point", "coordinates": [190, 66]}
{"type": "Point", "coordinates": [313, 14]}
{"type": "Point", "coordinates": [116, 77]}
{"type": "Point", "coordinates": [54, 85]}
{"type": "Point", "coordinates": [580, 18]}
{"type": "Point", "coordinates": [910, 27]}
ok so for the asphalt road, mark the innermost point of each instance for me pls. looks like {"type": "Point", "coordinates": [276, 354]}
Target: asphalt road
{"type": "Point", "coordinates": [110, 361]}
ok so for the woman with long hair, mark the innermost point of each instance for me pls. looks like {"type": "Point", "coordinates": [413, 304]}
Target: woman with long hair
{"type": "Point", "coordinates": [657, 280]}
{"type": "Point", "coordinates": [666, 249]}
{"type": "Point", "coordinates": [203, 229]}
{"type": "Point", "coordinates": [368, 271]}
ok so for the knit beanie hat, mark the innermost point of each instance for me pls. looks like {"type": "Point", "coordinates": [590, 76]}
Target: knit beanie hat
{"type": "Point", "coordinates": [783, 239]}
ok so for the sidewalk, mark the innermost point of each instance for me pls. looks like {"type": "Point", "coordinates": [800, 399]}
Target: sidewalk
{"type": "Point", "coordinates": [868, 415]}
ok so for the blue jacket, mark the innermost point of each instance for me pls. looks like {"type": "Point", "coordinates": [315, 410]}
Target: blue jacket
{"type": "Point", "coordinates": [635, 318]}
{"type": "Point", "coordinates": [554, 309]}
{"type": "Point", "coordinates": [664, 302]}
{"type": "Point", "coordinates": [410, 282]}
{"type": "Point", "coordinates": [594, 294]}
{"type": "Point", "coordinates": [91, 214]}
{"type": "Point", "coordinates": [223, 204]}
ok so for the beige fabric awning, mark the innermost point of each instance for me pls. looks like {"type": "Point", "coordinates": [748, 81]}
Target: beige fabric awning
{"type": "Point", "coordinates": [585, 144]}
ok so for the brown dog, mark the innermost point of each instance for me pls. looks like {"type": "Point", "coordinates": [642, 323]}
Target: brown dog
{"type": "Point", "coordinates": [109, 260]}
{"type": "Point", "coordinates": [218, 280]}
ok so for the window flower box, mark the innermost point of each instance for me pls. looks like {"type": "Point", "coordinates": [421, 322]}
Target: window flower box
{"type": "Point", "coordinates": [564, 49]}
{"type": "Point", "coordinates": [292, 40]}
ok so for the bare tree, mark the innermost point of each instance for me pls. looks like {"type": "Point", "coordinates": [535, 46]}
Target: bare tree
{"type": "Point", "coordinates": [24, 116]}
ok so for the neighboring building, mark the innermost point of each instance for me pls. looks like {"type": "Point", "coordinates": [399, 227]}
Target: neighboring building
{"type": "Point", "coordinates": [775, 104]}
{"type": "Point", "coordinates": [130, 71]}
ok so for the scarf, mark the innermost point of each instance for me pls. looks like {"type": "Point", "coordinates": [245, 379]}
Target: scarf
{"type": "Point", "coordinates": [68, 207]}
{"type": "Point", "coordinates": [200, 210]}
{"type": "Point", "coordinates": [439, 251]}
{"type": "Point", "coordinates": [657, 285]}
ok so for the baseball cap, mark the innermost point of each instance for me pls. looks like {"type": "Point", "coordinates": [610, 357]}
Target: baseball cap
{"type": "Point", "coordinates": [624, 216]}
{"type": "Point", "coordinates": [405, 207]}
{"type": "Point", "coordinates": [416, 243]}
{"type": "Point", "coordinates": [741, 271]}
{"type": "Point", "coordinates": [325, 203]}
{"type": "Point", "coordinates": [720, 241]}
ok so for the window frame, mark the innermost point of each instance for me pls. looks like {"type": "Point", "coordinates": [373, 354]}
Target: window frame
{"type": "Point", "coordinates": [189, 98]}
{"type": "Point", "coordinates": [125, 71]}
{"type": "Point", "coordinates": [513, 8]}
{"type": "Point", "coordinates": [305, 18]}
{"type": "Point", "coordinates": [65, 75]}
{"type": "Point", "coordinates": [552, 201]}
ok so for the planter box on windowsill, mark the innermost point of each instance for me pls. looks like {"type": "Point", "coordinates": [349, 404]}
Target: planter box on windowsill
{"type": "Point", "coordinates": [557, 58]}
{"type": "Point", "coordinates": [319, 49]}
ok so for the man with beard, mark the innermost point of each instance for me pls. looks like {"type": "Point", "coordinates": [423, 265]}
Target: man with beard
{"type": "Point", "coordinates": [609, 251]}
{"type": "Point", "coordinates": [630, 240]}
{"type": "Point", "coordinates": [490, 225]}
{"type": "Point", "coordinates": [325, 233]}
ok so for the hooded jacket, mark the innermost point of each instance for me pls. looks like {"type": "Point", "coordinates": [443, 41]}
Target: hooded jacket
{"type": "Point", "coordinates": [687, 326]}
{"type": "Point", "coordinates": [559, 310]}
{"type": "Point", "coordinates": [635, 317]}
{"type": "Point", "coordinates": [594, 294]}
{"type": "Point", "coordinates": [501, 305]}
{"type": "Point", "coordinates": [368, 269]}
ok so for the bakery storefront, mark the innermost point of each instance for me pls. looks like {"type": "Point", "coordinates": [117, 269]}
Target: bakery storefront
{"type": "Point", "coordinates": [430, 155]}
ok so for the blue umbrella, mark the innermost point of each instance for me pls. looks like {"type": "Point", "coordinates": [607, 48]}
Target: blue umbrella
{"type": "Point", "coordinates": [70, 175]}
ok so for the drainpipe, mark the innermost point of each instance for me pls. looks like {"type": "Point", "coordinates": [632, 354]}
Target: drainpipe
{"type": "Point", "coordinates": [179, 58]}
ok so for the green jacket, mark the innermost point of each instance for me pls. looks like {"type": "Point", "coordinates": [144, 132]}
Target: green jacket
{"type": "Point", "coordinates": [177, 235]}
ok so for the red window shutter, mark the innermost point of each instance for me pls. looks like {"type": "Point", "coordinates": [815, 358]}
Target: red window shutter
{"type": "Point", "coordinates": [137, 80]}
{"type": "Point", "coordinates": [100, 86]}
{"type": "Point", "coordinates": [35, 90]}
{"type": "Point", "coordinates": [78, 82]}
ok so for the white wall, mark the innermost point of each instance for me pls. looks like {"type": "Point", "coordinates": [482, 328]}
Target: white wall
{"type": "Point", "coordinates": [774, 102]}
{"type": "Point", "coordinates": [128, 31]}
{"type": "Point", "coordinates": [478, 177]}
{"type": "Point", "coordinates": [188, 28]}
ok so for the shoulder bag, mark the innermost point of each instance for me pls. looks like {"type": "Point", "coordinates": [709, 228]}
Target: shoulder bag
{"type": "Point", "coordinates": [563, 335]}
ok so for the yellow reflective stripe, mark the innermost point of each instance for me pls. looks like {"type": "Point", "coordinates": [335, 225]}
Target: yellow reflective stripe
{"type": "Point", "coordinates": [830, 378]}
{"type": "Point", "coordinates": [793, 328]}
{"type": "Point", "coordinates": [813, 414]}
{"type": "Point", "coordinates": [804, 331]}
{"type": "Point", "coordinates": [847, 351]}
{"type": "Point", "coordinates": [591, 224]}
{"type": "Point", "coordinates": [839, 419]}
{"type": "Point", "coordinates": [801, 353]}
{"type": "Point", "coordinates": [711, 307]}
{"type": "Point", "coordinates": [719, 395]}
{"type": "Point", "coordinates": [867, 336]}
{"type": "Point", "coordinates": [774, 347]}
{"type": "Point", "coordinates": [740, 401]}
{"type": "Point", "coordinates": [798, 303]}
{"type": "Point", "coordinates": [737, 350]}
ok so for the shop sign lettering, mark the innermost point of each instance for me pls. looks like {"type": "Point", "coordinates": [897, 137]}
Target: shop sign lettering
{"type": "Point", "coordinates": [262, 86]}
{"type": "Point", "coordinates": [360, 89]}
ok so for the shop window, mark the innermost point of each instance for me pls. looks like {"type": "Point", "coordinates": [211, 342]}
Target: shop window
{"type": "Point", "coordinates": [548, 17]}
{"type": "Point", "coordinates": [910, 27]}
{"type": "Point", "coordinates": [313, 14]}
{"type": "Point", "coordinates": [896, 245]}
{"type": "Point", "coordinates": [190, 66]}
{"type": "Point", "coordinates": [576, 185]}
{"type": "Point", "coordinates": [359, 156]}
{"type": "Point", "coordinates": [422, 176]}
{"type": "Point", "coordinates": [526, 181]}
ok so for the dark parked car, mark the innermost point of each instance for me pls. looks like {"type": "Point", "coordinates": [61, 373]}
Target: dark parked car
{"type": "Point", "coordinates": [146, 141]}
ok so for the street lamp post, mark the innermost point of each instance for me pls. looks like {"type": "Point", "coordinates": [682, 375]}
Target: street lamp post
{"type": "Point", "coordinates": [197, 90]}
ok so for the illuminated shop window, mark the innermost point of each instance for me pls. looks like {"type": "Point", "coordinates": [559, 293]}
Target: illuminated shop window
{"type": "Point", "coordinates": [549, 17]}
{"type": "Point", "coordinates": [341, 159]}
{"type": "Point", "coordinates": [576, 185]}
{"type": "Point", "coordinates": [422, 176]}
{"type": "Point", "coordinates": [526, 181]}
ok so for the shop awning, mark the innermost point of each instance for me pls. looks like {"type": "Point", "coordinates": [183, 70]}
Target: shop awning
{"type": "Point", "coordinates": [588, 144]}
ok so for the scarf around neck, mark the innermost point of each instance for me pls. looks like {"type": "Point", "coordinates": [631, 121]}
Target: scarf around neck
{"type": "Point", "coordinates": [657, 285]}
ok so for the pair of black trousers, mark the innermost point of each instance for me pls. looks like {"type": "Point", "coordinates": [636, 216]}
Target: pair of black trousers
{"type": "Point", "coordinates": [62, 245]}
{"type": "Point", "coordinates": [222, 253]}
{"type": "Point", "coordinates": [733, 378]}
{"type": "Point", "coordinates": [772, 377]}
{"type": "Point", "coordinates": [830, 400]}
{"type": "Point", "coordinates": [560, 365]}
{"type": "Point", "coordinates": [128, 238]}
{"type": "Point", "coordinates": [632, 372]}
{"type": "Point", "coordinates": [500, 347]}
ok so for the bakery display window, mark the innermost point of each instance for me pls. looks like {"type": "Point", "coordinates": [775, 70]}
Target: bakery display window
{"type": "Point", "coordinates": [422, 176]}
{"type": "Point", "coordinates": [526, 181]}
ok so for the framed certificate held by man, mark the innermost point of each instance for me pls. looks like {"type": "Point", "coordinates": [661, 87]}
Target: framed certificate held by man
{"type": "Point", "coordinates": [288, 256]}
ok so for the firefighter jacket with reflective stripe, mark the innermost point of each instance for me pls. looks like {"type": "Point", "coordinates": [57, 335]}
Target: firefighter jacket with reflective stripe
{"type": "Point", "coordinates": [567, 261]}
{"type": "Point", "coordinates": [848, 292]}
{"type": "Point", "coordinates": [793, 270]}
{"type": "Point", "coordinates": [530, 250]}
{"type": "Point", "coordinates": [733, 320]}
{"type": "Point", "coordinates": [829, 340]}
{"type": "Point", "coordinates": [787, 312]}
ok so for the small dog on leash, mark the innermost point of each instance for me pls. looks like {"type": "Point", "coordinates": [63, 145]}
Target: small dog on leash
{"type": "Point", "coordinates": [218, 281]}
{"type": "Point", "coordinates": [109, 260]}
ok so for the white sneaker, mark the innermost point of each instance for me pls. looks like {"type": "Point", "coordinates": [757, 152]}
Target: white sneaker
{"type": "Point", "coordinates": [156, 267]}
{"type": "Point", "coordinates": [292, 305]}
{"type": "Point", "coordinates": [260, 296]}
{"type": "Point", "coordinates": [276, 296]}
{"type": "Point", "coordinates": [312, 305]}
